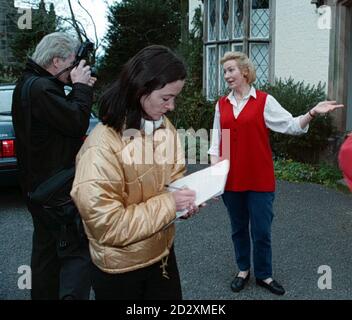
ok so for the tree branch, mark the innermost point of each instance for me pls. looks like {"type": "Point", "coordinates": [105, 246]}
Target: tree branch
{"type": "Point", "coordinates": [74, 22]}
{"type": "Point", "coordinates": [93, 22]}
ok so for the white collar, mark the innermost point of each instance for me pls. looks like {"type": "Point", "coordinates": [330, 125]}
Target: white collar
{"type": "Point", "coordinates": [149, 126]}
{"type": "Point", "coordinates": [252, 93]}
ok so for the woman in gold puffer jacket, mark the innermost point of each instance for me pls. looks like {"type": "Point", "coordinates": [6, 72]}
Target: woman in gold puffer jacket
{"type": "Point", "coordinates": [121, 173]}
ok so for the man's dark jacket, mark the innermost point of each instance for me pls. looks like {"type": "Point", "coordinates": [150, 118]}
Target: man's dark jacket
{"type": "Point", "coordinates": [58, 125]}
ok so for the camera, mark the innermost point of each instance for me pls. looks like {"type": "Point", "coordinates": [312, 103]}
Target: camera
{"type": "Point", "coordinates": [85, 52]}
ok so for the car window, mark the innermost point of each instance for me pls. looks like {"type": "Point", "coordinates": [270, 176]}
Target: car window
{"type": "Point", "coordinates": [5, 100]}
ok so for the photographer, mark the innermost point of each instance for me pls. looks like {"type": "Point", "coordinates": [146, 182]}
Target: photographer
{"type": "Point", "coordinates": [49, 128]}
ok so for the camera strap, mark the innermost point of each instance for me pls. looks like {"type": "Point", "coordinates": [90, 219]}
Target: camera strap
{"type": "Point", "coordinates": [67, 69]}
{"type": "Point", "coordinates": [26, 106]}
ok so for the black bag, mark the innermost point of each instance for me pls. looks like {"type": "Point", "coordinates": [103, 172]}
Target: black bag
{"type": "Point", "coordinates": [54, 191]}
{"type": "Point", "coordinates": [53, 195]}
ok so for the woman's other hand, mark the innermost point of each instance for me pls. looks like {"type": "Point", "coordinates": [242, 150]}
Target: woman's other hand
{"type": "Point", "coordinates": [325, 107]}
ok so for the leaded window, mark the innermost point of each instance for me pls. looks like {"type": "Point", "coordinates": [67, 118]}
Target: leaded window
{"type": "Point", "coordinates": [224, 20]}
{"type": "Point", "coordinates": [211, 70]}
{"type": "Point", "coordinates": [260, 19]}
{"type": "Point", "coordinates": [211, 20]}
{"type": "Point", "coordinates": [259, 53]}
{"type": "Point", "coordinates": [237, 47]}
{"type": "Point", "coordinates": [222, 83]}
{"type": "Point", "coordinates": [237, 25]}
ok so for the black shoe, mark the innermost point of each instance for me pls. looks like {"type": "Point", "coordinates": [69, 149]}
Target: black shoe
{"type": "Point", "coordinates": [238, 283]}
{"type": "Point", "coordinates": [273, 286]}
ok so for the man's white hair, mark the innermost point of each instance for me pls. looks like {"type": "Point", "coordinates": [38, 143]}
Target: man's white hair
{"type": "Point", "coordinates": [54, 45]}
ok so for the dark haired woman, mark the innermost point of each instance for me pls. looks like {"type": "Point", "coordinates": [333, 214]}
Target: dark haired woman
{"type": "Point", "coordinates": [121, 173]}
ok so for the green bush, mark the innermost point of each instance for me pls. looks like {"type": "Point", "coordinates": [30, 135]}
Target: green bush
{"type": "Point", "coordinates": [292, 171]}
{"type": "Point", "coordinates": [192, 110]}
{"type": "Point", "coordinates": [298, 98]}
{"type": "Point", "coordinates": [7, 75]}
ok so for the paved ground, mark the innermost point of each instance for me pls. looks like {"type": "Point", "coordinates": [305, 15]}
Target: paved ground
{"type": "Point", "coordinates": [312, 227]}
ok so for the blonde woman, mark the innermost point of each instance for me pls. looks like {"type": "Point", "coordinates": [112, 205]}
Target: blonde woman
{"type": "Point", "coordinates": [248, 113]}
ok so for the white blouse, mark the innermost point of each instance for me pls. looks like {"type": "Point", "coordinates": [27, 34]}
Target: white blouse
{"type": "Point", "coordinates": [276, 118]}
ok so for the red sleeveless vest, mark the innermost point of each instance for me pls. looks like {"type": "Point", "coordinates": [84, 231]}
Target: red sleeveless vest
{"type": "Point", "coordinates": [251, 164]}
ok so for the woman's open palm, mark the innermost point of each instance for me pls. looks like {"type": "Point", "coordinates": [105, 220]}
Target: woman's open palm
{"type": "Point", "coordinates": [326, 107]}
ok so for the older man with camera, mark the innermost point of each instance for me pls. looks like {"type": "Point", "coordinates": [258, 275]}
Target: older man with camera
{"type": "Point", "coordinates": [50, 127]}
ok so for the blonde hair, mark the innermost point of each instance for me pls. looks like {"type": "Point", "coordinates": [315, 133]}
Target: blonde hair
{"type": "Point", "coordinates": [244, 64]}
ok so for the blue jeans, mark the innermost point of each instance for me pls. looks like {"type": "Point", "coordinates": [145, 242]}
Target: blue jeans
{"type": "Point", "coordinates": [254, 209]}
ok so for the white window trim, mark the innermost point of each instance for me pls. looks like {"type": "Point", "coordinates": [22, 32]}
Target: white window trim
{"type": "Point", "coordinates": [236, 44]}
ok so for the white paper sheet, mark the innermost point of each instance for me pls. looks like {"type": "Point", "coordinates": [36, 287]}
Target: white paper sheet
{"type": "Point", "coordinates": [207, 183]}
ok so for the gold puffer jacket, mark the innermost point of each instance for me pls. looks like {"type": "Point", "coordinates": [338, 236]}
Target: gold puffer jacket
{"type": "Point", "coordinates": [121, 196]}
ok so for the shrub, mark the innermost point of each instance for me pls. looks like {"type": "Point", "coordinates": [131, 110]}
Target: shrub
{"type": "Point", "coordinates": [192, 110]}
{"type": "Point", "coordinates": [292, 171]}
{"type": "Point", "coordinates": [7, 74]}
{"type": "Point", "coordinates": [298, 98]}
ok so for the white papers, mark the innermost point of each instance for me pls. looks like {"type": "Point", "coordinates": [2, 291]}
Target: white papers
{"type": "Point", "coordinates": [207, 183]}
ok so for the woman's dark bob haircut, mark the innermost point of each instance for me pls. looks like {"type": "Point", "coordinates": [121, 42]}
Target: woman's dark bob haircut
{"type": "Point", "coordinates": [150, 69]}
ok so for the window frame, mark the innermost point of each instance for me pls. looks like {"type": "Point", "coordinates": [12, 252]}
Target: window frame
{"type": "Point", "coordinates": [246, 41]}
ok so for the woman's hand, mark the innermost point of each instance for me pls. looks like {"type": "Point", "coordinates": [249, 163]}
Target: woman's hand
{"type": "Point", "coordinates": [184, 199]}
{"type": "Point", "coordinates": [325, 107]}
{"type": "Point", "coordinates": [193, 210]}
